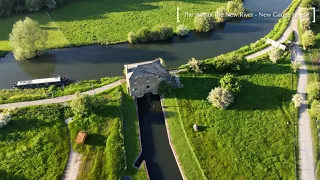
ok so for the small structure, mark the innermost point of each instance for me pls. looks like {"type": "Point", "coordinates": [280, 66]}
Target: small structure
{"type": "Point", "coordinates": [81, 137]}
{"type": "Point", "coordinates": [145, 77]}
{"type": "Point", "coordinates": [195, 127]}
{"type": "Point", "coordinates": [276, 44]}
{"type": "Point", "coordinates": [45, 82]}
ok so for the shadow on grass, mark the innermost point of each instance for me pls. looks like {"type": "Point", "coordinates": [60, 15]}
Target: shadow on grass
{"type": "Point", "coordinates": [6, 175]}
{"type": "Point", "coordinates": [95, 140]}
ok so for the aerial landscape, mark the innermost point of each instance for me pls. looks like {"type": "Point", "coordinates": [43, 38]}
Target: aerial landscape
{"type": "Point", "coordinates": [159, 89]}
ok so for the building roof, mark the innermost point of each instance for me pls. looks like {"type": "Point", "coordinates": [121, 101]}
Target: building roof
{"type": "Point", "coordinates": [146, 68]}
{"type": "Point", "coordinates": [81, 137]}
{"type": "Point", "coordinates": [39, 81]}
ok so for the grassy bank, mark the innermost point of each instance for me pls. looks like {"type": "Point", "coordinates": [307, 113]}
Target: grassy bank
{"type": "Point", "coordinates": [34, 144]}
{"type": "Point", "coordinates": [18, 95]}
{"type": "Point", "coordinates": [131, 135]}
{"type": "Point", "coordinates": [252, 136]}
{"type": "Point", "coordinates": [98, 21]}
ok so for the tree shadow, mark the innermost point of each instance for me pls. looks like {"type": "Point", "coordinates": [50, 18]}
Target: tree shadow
{"type": "Point", "coordinates": [7, 175]}
{"type": "Point", "coordinates": [95, 140]}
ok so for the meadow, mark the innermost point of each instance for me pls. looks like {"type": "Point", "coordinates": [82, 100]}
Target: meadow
{"type": "Point", "coordinates": [19, 95]}
{"type": "Point", "coordinates": [34, 145]}
{"type": "Point", "coordinates": [86, 22]}
{"type": "Point", "coordinates": [254, 136]}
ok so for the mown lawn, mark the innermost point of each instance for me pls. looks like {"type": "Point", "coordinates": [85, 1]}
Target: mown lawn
{"type": "Point", "coordinates": [249, 140]}
{"type": "Point", "coordinates": [19, 95]}
{"type": "Point", "coordinates": [106, 21]}
{"type": "Point", "coordinates": [35, 144]}
{"type": "Point", "coordinates": [111, 146]}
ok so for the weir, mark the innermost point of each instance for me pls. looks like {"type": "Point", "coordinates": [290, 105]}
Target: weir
{"type": "Point", "coordinates": [156, 150]}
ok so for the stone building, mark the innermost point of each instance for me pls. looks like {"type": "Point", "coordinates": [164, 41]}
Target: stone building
{"type": "Point", "coordinates": [145, 77]}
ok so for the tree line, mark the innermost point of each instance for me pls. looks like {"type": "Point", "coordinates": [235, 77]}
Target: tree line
{"type": "Point", "coordinates": [10, 7]}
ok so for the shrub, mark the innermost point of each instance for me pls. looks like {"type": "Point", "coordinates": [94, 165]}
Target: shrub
{"type": "Point", "coordinates": [297, 99]}
{"type": "Point", "coordinates": [5, 118]}
{"type": "Point", "coordinates": [203, 22]}
{"type": "Point", "coordinates": [132, 38]}
{"type": "Point", "coordinates": [315, 109]}
{"type": "Point", "coordinates": [51, 4]}
{"type": "Point", "coordinates": [295, 65]}
{"type": "Point", "coordinates": [194, 65]}
{"type": "Point", "coordinates": [167, 31]}
{"type": "Point", "coordinates": [227, 62]}
{"type": "Point", "coordinates": [157, 34]}
{"type": "Point", "coordinates": [182, 30]}
{"type": "Point", "coordinates": [143, 35]}
{"type": "Point", "coordinates": [231, 83]}
{"type": "Point", "coordinates": [275, 55]}
{"type": "Point", "coordinates": [305, 24]}
{"type": "Point", "coordinates": [235, 7]}
{"type": "Point", "coordinates": [34, 5]}
{"type": "Point", "coordinates": [220, 97]}
{"type": "Point", "coordinates": [313, 91]}
{"type": "Point", "coordinates": [220, 14]}
{"type": "Point", "coordinates": [165, 88]}
{"type": "Point", "coordinates": [308, 39]}
{"type": "Point", "coordinates": [306, 3]}
{"type": "Point", "coordinates": [81, 105]}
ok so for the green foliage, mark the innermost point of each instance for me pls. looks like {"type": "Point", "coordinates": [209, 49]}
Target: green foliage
{"type": "Point", "coordinates": [230, 82]}
{"type": "Point", "coordinates": [203, 23]}
{"type": "Point", "coordinates": [220, 97]}
{"type": "Point", "coordinates": [182, 30]}
{"type": "Point", "coordinates": [297, 100]}
{"type": "Point", "coordinates": [35, 144]}
{"type": "Point", "coordinates": [295, 65]}
{"type": "Point", "coordinates": [306, 3]}
{"type": "Point", "coordinates": [5, 118]}
{"type": "Point", "coordinates": [143, 35]}
{"type": "Point", "coordinates": [315, 109]}
{"type": "Point", "coordinates": [313, 91]}
{"type": "Point", "coordinates": [235, 7]}
{"type": "Point", "coordinates": [132, 38]}
{"type": "Point", "coordinates": [85, 104]}
{"type": "Point", "coordinates": [227, 62]}
{"type": "Point", "coordinates": [165, 88]}
{"type": "Point", "coordinates": [308, 39]}
{"type": "Point", "coordinates": [27, 39]}
{"type": "Point", "coordinates": [220, 14]}
{"type": "Point", "coordinates": [275, 55]}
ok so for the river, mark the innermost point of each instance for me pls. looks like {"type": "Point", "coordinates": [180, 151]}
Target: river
{"type": "Point", "coordinates": [94, 62]}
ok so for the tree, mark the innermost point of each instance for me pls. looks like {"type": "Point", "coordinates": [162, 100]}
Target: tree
{"type": "Point", "coordinates": [315, 109]}
{"type": "Point", "coordinates": [295, 65]}
{"type": "Point", "coordinates": [235, 7]}
{"type": "Point", "coordinates": [308, 39]}
{"type": "Point", "coordinates": [132, 38]}
{"type": "Point", "coordinates": [305, 24]}
{"type": "Point", "coordinates": [34, 5]}
{"type": "Point", "coordinates": [203, 22]}
{"type": "Point", "coordinates": [313, 91]}
{"type": "Point", "coordinates": [275, 55]}
{"type": "Point", "coordinates": [220, 97]}
{"type": "Point", "coordinates": [182, 30]}
{"type": "Point", "coordinates": [51, 4]}
{"type": "Point", "coordinates": [194, 65]}
{"type": "Point", "coordinates": [27, 39]}
{"type": "Point", "coordinates": [220, 14]}
{"type": "Point", "coordinates": [6, 7]}
{"type": "Point", "coordinates": [231, 83]}
{"type": "Point", "coordinates": [297, 99]}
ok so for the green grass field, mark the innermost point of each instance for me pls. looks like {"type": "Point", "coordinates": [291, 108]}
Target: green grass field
{"type": "Point", "coordinates": [35, 144]}
{"type": "Point", "coordinates": [101, 21]}
{"type": "Point", "coordinates": [251, 139]}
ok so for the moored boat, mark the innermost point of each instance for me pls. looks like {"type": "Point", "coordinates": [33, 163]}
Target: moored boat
{"type": "Point", "coordinates": [40, 83]}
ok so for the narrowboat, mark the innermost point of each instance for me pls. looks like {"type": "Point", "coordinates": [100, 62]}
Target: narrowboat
{"type": "Point", "coordinates": [41, 83]}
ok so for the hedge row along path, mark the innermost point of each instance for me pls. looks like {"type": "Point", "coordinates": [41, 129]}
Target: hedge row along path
{"type": "Point", "coordinates": [305, 139]}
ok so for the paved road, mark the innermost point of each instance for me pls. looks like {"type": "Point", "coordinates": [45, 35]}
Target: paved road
{"type": "Point", "coordinates": [60, 99]}
{"type": "Point", "coordinates": [282, 39]}
{"type": "Point", "coordinates": [307, 168]}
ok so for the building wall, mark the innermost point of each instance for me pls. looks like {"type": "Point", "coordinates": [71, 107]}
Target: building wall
{"type": "Point", "coordinates": [143, 85]}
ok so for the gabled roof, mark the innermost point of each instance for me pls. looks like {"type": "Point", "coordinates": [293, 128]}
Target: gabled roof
{"type": "Point", "coordinates": [143, 69]}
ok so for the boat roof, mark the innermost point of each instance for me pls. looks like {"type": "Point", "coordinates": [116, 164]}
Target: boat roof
{"type": "Point", "coordinates": [39, 81]}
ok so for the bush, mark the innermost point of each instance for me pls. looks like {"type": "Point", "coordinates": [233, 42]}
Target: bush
{"type": "Point", "coordinates": [275, 55]}
{"type": "Point", "coordinates": [306, 3]}
{"type": "Point", "coordinates": [227, 62]}
{"type": "Point", "coordinates": [313, 91]}
{"type": "Point", "coordinates": [203, 23]}
{"type": "Point", "coordinates": [165, 88]}
{"type": "Point", "coordinates": [305, 24]}
{"type": "Point", "coordinates": [297, 99]}
{"type": "Point", "coordinates": [34, 5]}
{"type": "Point", "coordinates": [182, 30]}
{"type": "Point", "coordinates": [194, 65]}
{"type": "Point", "coordinates": [315, 109]}
{"type": "Point", "coordinates": [5, 118]}
{"type": "Point", "coordinates": [143, 35]}
{"type": "Point", "coordinates": [51, 4]}
{"type": "Point", "coordinates": [220, 97]}
{"type": "Point", "coordinates": [235, 7]}
{"type": "Point", "coordinates": [308, 39]}
{"type": "Point", "coordinates": [81, 105]}
{"type": "Point", "coordinates": [295, 65]}
{"type": "Point", "coordinates": [231, 83]}
{"type": "Point", "coordinates": [220, 14]}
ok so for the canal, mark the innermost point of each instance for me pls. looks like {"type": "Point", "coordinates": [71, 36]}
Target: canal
{"type": "Point", "coordinates": [94, 62]}
{"type": "Point", "coordinates": [156, 150]}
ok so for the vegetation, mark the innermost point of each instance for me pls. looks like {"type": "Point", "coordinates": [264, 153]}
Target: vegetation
{"type": "Point", "coordinates": [297, 99]}
{"type": "Point", "coordinates": [182, 30]}
{"type": "Point", "coordinates": [295, 65]}
{"type": "Point", "coordinates": [315, 109]}
{"type": "Point", "coordinates": [308, 39]}
{"type": "Point", "coordinates": [275, 55]}
{"type": "Point", "coordinates": [220, 97]}
{"type": "Point", "coordinates": [34, 145]}
{"type": "Point", "coordinates": [252, 135]}
{"type": "Point", "coordinates": [194, 65]}
{"type": "Point", "coordinates": [27, 39]}
{"type": "Point", "coordinates": [313, 91]}
{"type": "Point", "coordinates": [5, 118]}
{"type": "Point", "coordinates": [231, 83]}
{"type": "Point", "coordinates": [235, 7]}
{"type": "Point", "coordinates": [226, 62]}
{"type": "Point", "coordinates": [203, 22]}
{"type": "Point", "coordinates": [165, 88]}
{"type": "Point", "coordinates": [144, 35]}
{"type": "Point", "coordinates": [220, 14]}
{"type": "Point", "coordinates": [18, 95]}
